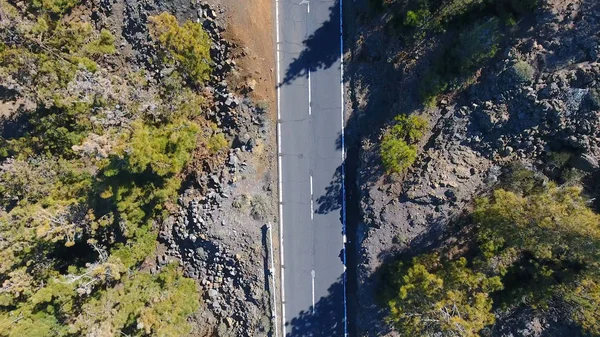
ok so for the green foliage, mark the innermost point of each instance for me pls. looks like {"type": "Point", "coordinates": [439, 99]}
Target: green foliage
{"type": "Point", "coordinates": [417, 18]}
{"type": "Point", "coordinates": [537, 246]}
{"type": "Point", "coordinates": [555, 225]}
{"type": "Point", "coordinates": [48, 62]}
{"type": "Point", "coordinates": [104, 45]}
{"type": "Point", "coordinates": [474, 26]}
{"type": "Point", "coordinates": [523, 72]}
{"type": "Point", "coordinates": [470, 51]}
{"type": "Point", "coordinates": [583, 299]}
{"type": "Point", "coordinates": [217, 143]}
{"type": "Point", "coordinates": [188, 45]}
{"type": "Point", "coordinates": [560, 159]}
{"type": "Point", "coordinates": [54, 131]}
{"type": "Point", "coordinates": [445, 297]}
{"type": "Point", "coordinates": [81, 192]}
{"type": "Point", "coordinates": [398, 147]}
{"type": "Point", "coordinates": [144, 304]}
{"type": "Point", "coordinates": [522, 180]}
{"type": "Point", "coordinates": [557, 237]}
{"type": "Point", "coordinates": [475, 46]}
{"type": "Point", "coordinates": [163, 150]}
{"type": "Point", "coordinates": [432, 85]}
{"type": "Point", "coordinates": [142, 176]}
{"type": "Point", "coordinates": [56, 7]}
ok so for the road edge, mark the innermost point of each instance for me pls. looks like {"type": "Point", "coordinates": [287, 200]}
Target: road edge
{"type": "Point", "coordinates": [279, 183]}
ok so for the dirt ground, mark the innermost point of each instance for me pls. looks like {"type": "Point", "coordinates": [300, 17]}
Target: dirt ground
{"type": "Point", "coordinates": [250, 25]}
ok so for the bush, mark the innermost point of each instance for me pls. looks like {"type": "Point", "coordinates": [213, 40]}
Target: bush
{"type": "Point", "coordinates": [217, 143]}
{"type": "Point", "coordinates": [144, 304]}
{"type": "Point", "coordinates": [104, 45]}
{"type": "Point", "coordinates": [85, 180]}
{"type": "Point", "coordinates": [162, 150]}
{"type": "Point", "coordinates": [398, 148]}
{"type": "Point", "coordinates": [523, 72]}
{"type": "Point", "coordinates": [188, 45]}
{"type": "Point", "coordinates": [474, 47]}
{"type": "Point", "coordinates": [55, 7]}
{"type": "Point", "coordinates": [417, 18]}
{"type": "Point", "coordinates": [469, 52]}
{"type": "Point", "coordinates": [522, 180]}
{"type": "Point", "coordinates": [431, 87]}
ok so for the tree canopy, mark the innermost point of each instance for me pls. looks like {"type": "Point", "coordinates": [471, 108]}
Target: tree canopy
{"type": "Point", "coordinates": [537, 249]}
{"type": "Point", "coordinates": [88, 174]}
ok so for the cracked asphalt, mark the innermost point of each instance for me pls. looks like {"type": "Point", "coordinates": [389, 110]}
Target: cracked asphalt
{"type": "Point", "coordinates": [311, 167]}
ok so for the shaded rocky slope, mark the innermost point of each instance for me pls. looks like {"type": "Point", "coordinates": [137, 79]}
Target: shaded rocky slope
{"type": "Point", "coordinates": [504, 116]}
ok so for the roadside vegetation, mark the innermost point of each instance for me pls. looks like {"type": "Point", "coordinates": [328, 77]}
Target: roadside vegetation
{"type": "Point", "coordinates": [530, 243]}
{"type": "Point", "coordinates": [89, 171]}
{"type": "Point", "coordinates": [471, 32]}
{"type": "Point", "coordinates": [399, 144]}
{"type": "Point", "coordinates": [530, 247]}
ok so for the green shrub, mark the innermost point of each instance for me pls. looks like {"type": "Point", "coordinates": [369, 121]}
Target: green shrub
{"type": "Point", "coordinates": [188, 45]}
{"type": "Point", "coordinates": [144, 304]}
{"type": "Point", "coordinates": [104, 45]}
{"type": "Point", "coordinates": [163, 150]}
{"type": "Point", "coordinates": [417, 18]}
{"type": "Point", "coordinates": [523, 72]}
{"type": "Point", "coordinates": [554, 225]}
{"type": "Point", "coordinates": [398, 150]}
{"type": "Point", "coordinates": [55, 7]}
{"type": "Point", "coordinates": [536, 250]}
{"type": "Point", "coordinates": [456, 64]}
{"type": "Point", "coordinates": [81, 199]}
{"type": "Point", "coordinates": [431, 87]}
{"type": "Point", "coordinates": [522, 180]}
{"type": "Point", "coordinates": [217, 143]}
{"type": "Point", "coordinates": [560, 159]}
{"type": "Point", "coordinates": [474, 47]}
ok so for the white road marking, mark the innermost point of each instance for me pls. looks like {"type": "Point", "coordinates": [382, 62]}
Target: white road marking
{"type": "Point", "coordinates": [312, 203]}
{"type": "Point", "coordinates": [307, 3]}
{"type": "Point", "coordinates": [279, 177]}
{"type": "Point", "coordinates": [309, 95]}
{"type": "Point", "coordinates": [312, 274]}
{"type": "Point", "coordinates": [272, 272]}
{"type": "Point", "coordinates": [343, 162]}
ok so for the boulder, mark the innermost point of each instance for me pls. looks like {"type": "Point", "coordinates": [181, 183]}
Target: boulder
{"type": "Point", "coordinates": [584, 162]}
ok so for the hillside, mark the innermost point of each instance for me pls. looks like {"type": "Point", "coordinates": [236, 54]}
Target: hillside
{"type": "Point", "coordinates": [478, 214]}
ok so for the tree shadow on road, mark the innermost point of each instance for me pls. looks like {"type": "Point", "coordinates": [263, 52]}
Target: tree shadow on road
{"type": "Point", "coordinates": [333, 198]}
{"type": "Point", "coordinates": [327, 320]}
{"type": "Point", "coordinates": [321, 49]}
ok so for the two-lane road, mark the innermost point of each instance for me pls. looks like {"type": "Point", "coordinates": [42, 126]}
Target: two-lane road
{"type": "Point", "coordinates": [311, 155]}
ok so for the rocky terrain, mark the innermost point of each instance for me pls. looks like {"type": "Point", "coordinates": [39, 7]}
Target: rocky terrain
{"type": "Point", "coordinates": [538, 96]}
{"type": "Point", "coordinates": [220, 234]}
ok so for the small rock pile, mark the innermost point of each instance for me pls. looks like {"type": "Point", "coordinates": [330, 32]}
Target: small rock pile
{"type": "Point", "coordinates": [221, 55]}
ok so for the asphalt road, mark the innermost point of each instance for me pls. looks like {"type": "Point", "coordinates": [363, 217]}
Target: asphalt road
{"type": "Point", "coordinates": [311, 171]}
